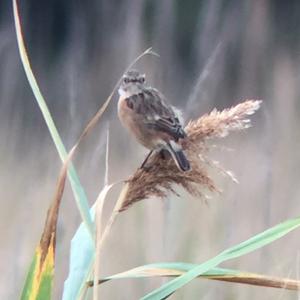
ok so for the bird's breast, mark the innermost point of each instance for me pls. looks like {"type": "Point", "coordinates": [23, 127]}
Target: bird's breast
{"type": "Point", "coordinates": [135, 124]}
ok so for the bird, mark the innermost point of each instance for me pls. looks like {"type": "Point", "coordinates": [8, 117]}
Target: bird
{"type": "Point", "coordinates": [143, 110]}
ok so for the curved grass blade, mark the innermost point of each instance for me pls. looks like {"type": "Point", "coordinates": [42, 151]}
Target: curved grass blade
{"type": "Point", "coordinates": [88, 258]}
{"type": "Point", "coordinates": [83, 258]}
{"type": "Point", "coordinates": [254, 243]}
{"type": "Point", "coordinates": [38, 284]}
{"type": "Point", "coordinates": [77, 188]}
{"type": "Point", "coordinates": [178, 268]}
{"type": "Point", "coordinates": [75, 183]}
{"type": "Point", "coordinates": [78, 191]}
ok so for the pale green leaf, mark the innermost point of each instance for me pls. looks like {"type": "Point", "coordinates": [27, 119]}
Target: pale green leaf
{"type": "Point", "coordinates": [254, 243]}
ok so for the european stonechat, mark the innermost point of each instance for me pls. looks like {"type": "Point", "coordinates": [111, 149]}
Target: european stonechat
{"type": "Point", "coordinates": [155, 124]}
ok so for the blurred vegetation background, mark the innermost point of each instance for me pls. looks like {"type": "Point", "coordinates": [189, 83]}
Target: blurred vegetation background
{"type": "Point", "coordinates": [212, 54]}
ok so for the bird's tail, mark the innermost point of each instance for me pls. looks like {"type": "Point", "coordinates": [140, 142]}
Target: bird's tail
{"type": "Point", "coordinates": [178, 156]}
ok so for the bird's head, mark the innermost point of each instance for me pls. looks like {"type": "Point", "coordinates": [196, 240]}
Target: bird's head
{"type": "Point", "coordinates": [131, 81]}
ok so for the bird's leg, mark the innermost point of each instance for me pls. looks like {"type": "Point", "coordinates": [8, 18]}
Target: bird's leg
{"type": "Point", "coordinates": [164, 154]}
{"type": "Point", "coordinates": [146, 159]}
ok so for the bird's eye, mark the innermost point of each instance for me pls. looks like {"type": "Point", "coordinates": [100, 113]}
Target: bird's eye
{"type": "Point", "coordinates": [126, 80]}
{"type": "Point", "coordinates": [142, 80]}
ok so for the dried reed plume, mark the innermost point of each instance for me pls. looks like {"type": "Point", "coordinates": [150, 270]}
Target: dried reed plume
{"type": "Point", "coordinates": [162, 174]}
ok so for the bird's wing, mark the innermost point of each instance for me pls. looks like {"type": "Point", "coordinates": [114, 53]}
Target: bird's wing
{"type": "Point", "coordinates": [160, 116]}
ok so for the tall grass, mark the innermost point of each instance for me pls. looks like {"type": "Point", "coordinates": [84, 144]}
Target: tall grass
{"type": "Point", "coordinates": [234, 237]}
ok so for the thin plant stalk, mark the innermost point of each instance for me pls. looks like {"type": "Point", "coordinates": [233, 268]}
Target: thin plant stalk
{"type": "Point", "coordinates": [98, 221]}
{"type": "Point", "coordinates": [220, 275]}
{"type": "Point", "coordinates": [116, 211]}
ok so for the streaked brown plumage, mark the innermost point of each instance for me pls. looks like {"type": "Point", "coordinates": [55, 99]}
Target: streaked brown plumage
{"type": "Point", "coordinates": [144, 112]}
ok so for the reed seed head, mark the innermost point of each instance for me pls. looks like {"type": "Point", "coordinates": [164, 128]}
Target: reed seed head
{"type": "Point", "coordinates": [162, 174]}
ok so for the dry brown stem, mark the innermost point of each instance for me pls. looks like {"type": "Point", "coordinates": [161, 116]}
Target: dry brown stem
{"type": "Point", "coordinates": [242, 277]}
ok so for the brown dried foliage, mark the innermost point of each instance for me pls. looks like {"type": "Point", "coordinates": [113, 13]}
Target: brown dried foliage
{"type": "Point", "coordinates": [161, 174]}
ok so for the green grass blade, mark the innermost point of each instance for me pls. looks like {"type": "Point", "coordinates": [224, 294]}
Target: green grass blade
{"type": "Point", "coordinates": [77, 188]}
{"type": "Point", "coordinates": [38, 284]}
{"type": "Point", "coordinates": [241, 249]}
{"type": "Point", "coordinates": [82, 254]}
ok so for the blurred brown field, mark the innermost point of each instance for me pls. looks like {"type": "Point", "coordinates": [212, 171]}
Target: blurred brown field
{"type": "Point", "coordinates": [212, 54]}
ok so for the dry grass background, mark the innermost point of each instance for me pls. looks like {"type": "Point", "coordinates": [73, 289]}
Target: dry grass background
{"type": "Point", "coordinates": [77, 63]}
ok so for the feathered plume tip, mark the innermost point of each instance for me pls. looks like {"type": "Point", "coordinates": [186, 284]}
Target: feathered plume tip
{"type": "Point", "coordinates": [162, 174]}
